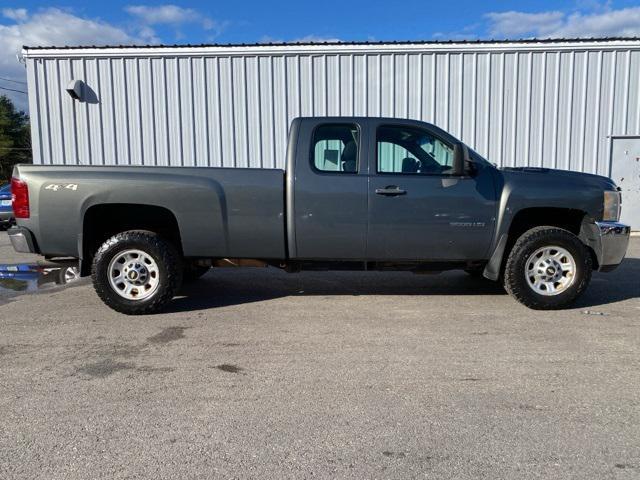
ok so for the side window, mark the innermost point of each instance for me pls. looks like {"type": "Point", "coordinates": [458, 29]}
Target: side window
{"type": "Point", "coordinates": [411, 150]}
{"type": "Point", "coordinates": [335, 148]}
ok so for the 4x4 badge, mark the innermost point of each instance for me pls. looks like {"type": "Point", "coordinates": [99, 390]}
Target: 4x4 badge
{"type": "Point", "coordinates": [57, 186]}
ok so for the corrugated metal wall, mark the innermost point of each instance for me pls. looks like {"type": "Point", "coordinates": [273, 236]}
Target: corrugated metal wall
{"type": "Point", "coordinates": [517, 104]}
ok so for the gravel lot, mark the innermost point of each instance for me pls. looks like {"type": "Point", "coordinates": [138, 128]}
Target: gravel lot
{"type": "Point", "coordinates": [258, 374]}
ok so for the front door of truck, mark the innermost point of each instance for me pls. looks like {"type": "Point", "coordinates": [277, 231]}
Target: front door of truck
{"type": "Point", "coordinates": [330, 191]}
{"type": "Point", "coordinates": [418, 210]}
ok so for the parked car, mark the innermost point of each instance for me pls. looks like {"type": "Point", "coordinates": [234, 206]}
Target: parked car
{"type": "Point", "coordinates": [357, 193]}
{"type": "Point", "coordinates": [6, 212]}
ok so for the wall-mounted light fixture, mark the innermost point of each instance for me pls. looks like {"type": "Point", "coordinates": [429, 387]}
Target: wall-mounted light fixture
{"type": "Point", "coordinates": [75, 88]}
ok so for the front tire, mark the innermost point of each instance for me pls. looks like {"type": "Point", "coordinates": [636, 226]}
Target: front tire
{"type": "Point", "coordinates": [548, 268]}
{"type": "Point", "coordinates": [136, 272]}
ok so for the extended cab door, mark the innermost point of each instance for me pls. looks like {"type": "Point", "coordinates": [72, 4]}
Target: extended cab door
{"type": "Point", "coordinates": [327, 190]}
{"type": "Point", "coordinates": [418, 210]}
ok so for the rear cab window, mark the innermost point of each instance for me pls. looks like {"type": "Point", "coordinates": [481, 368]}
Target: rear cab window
{"type": "Point", "coordinates": [336, 148]}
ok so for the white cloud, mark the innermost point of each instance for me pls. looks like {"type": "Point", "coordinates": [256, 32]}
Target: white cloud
{"type": "Point", "coordinates": [172, 15]}
{"type": "Point", "coordinates": [620, 23]}
{"type": "Point", "coordinates": [163, 14]}
{"type": "Point", "coordinates": [515, 24]}
{"type": "Point", "coordinates": [603, 22]}
{"type": "Point", "coordinates": [17, 14]}
{"type": "Point", "coordinates": [148, 34]}
{"type": "Point", "coordinates": [470, 32]}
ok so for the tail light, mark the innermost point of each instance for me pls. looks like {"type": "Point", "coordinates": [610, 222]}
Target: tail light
{"type": "Point", "coordinates": [20, 198]}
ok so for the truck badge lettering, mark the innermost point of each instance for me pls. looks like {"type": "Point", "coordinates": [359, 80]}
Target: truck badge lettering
{"type": "Point", "coordinates": [57, 186]}
{"type": "Point", "coordinates": [467, 224]}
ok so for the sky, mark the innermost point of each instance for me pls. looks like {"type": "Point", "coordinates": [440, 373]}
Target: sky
{"type": "Point", "coordinates": [119, 22]}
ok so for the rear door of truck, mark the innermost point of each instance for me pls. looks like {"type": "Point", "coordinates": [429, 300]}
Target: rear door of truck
{"type": "Point", "coordinates": [327, 187]}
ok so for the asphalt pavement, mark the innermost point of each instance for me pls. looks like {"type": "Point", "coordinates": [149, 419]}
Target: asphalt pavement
{"type": "Point", "coordinates": [255, 373]}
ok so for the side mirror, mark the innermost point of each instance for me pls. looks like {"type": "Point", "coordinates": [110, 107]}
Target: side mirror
{"type": "Point", "coordinates": [460, 159]}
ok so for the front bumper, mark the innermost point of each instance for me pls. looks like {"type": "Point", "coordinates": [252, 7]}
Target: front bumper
{"type": "Point", "coordinates": [22, 240]}
{"type": "Point", "coordinates": [610, 244]}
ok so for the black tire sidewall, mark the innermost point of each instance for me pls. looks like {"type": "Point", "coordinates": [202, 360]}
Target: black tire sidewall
{"type": "Point", "coordinates": [515, 279]}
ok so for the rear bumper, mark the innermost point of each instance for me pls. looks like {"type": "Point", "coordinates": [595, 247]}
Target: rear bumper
{"type": "Point", "coordinates": [610, 244]}
{"type": "Point", "coordinates": [22, 240]}
{"type": "Point", "coordinates": [6, 216]}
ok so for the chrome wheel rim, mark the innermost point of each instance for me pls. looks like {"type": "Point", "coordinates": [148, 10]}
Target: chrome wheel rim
{"type": "Point", "coordinates": [71, 274]}
{"type": "Point", "coordinates": [550, 270]}
{"type": "Point", "coordinates": [134, 274]}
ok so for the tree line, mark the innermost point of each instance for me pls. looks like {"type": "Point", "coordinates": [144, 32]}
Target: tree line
{"type": "Point", "coordinates": [15, 138]}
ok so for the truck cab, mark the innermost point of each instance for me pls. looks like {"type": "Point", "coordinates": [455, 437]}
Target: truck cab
{"type": "Point", "coordinates": [363, 189]}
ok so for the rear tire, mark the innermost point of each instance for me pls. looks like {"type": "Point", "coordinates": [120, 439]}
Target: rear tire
{"type": "Point", "coordinates": [136, 272]}
{"type": "Point", "coordinates": [548, 268]}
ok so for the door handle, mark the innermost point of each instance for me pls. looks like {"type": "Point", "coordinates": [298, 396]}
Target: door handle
{"type": "Point", "coordinates": [390, 191]}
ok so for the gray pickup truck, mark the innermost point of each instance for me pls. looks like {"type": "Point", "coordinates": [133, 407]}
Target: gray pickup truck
{"type": "Point", "coordinates": [357, 193]}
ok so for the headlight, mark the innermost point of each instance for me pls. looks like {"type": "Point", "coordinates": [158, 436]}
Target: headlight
{"type": "Point", "coordinates": [612, 202]}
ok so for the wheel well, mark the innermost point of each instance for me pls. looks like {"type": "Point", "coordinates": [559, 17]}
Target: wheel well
{"type": "Point", "coordinates": [104, 221]}
{"type": "Point", "coordinates": [566, 218]}
{"type": "Point", "coordinates": [525, 219]}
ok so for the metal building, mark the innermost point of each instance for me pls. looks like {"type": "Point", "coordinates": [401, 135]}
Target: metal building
{"type": "Point", "coordinates": [569, 104]}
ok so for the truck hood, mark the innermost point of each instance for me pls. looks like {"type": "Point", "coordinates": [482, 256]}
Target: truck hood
{"type": "Point", "coordinates": [570, 178]}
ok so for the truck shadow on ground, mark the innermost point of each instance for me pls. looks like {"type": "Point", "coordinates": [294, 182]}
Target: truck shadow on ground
{"type": "Point", "coordinates": [621, 284]}
{"type": "Point", "coordinates": [226, 287]}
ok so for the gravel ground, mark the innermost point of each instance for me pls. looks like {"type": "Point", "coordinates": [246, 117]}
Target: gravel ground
{"type": "Point", "coordinates": [254, 373]}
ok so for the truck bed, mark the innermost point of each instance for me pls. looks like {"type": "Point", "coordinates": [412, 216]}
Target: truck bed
{"type": "Point", "coordinates": [221, 212]}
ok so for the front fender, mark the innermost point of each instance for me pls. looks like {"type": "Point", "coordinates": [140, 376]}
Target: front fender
{"type": "Point", "coordinates": [554, 190]}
